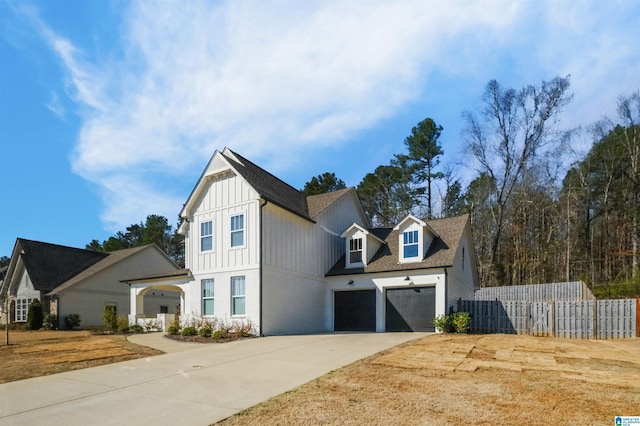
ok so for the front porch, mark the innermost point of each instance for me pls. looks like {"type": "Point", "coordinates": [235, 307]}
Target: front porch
{"type": "Point", "coordinates": [158, 301]}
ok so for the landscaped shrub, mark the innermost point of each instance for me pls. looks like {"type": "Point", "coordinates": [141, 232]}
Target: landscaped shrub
{"type": "Point", "coordinates": [189, 331]}
{"type": "Point", "coordinates": [136, 328]}
{"type": "Point", "coordinates": [35, 315]}
{"type": "Point", "coordinates": [50, 322]}
{"type": "Point", "coordinates": [220, 334]}
{"type": "Point", "coordinates": [243, 329]}
{"type": "Point", "coordinates": [174, 330]}
{"type": "Point", "coordinates": [123, 324]}
{"type": "Point", "coordinates": [443, 323]}
{"type": "Point", "coordinates": [457, 322]}
{"type": "Point", "coordinates": [204, 332]}
{"type": "Point", "coordinates": [72, 321]}
{"type": "Point", "coordinates": [151, 325]}
{"type": "Point", "coordinates": [109, 317]}
{"type": "Point", "coordinates": [461, 322]}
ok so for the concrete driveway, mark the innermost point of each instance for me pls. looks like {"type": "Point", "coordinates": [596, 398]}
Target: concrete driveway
{"type": "Point", "coordinates": [192, 385]}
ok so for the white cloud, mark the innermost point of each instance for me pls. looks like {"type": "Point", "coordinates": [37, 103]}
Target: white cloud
{"type": "Point", "coordinates": [55, 106]}
{"type": "Point", "coordinates": [271, 77]}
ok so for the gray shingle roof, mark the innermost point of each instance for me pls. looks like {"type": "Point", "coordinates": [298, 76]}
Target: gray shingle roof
{"type": "Point", "coordinates": [111, 259]}
{"type": "Point", "coordinates": [270, 187]}
{"type": "Point", "coordinates": [50, 265]}
{"type": "Point", "coordinates": [319, 203]}
{"type": "Point", "coordinates": [441, 253]}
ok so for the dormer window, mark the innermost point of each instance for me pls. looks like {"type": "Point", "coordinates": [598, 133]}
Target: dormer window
{"type": "Point", "coordinates": [355, 250]}
{"type": "Point", "coordinates": [360, 245]}
{"type": "Point", "coordinates": [414, 239]}
{"type": "Point", "coordinates": [411, 244]}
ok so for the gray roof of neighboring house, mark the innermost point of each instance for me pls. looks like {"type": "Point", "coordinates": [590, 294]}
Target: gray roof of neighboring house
{"type": "Point", "coordinates": [50, 265]}
{"type": "Point", "coordinates": [441, 253]}
{"type": "Point", "coordinates": [112, 258]}
{"type": "Point", "coordinates": [53, 267]}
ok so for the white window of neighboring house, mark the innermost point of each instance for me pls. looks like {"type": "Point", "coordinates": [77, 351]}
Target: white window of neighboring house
{"type": "Point", "coordinates": [237, 296]}
{"type": "Point", "coordinates": [355, 250]}
{"type": "Point", "coordinates": [237, 230]}
{"type": "Point", "coordinates": [410, 245]}
{"type": "Point", "coordinates": [206, 236]}
{"type": "Point", "coordinates": [22, 309]}
{"type": "Point", "coordinates": [207, 297]}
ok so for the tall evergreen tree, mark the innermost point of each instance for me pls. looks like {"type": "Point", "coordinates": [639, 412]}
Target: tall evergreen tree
{"type": "Point", "coordinates": [424, 151]}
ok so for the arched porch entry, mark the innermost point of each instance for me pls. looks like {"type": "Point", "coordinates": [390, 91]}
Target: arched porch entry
{"type": "Point", "coordinates": [157, 302]}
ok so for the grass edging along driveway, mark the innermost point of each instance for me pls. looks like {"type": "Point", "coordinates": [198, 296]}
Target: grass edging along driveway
{"type": "Point", "coordinates": [40, 353]}
{"type": "Point", "coordinates": [470, 379]}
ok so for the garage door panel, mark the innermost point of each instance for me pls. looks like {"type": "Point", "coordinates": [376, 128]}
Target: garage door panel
{"type": "Point", "coordinates": [355, 310]}
{"type": "Point", "coordinates": [410, 309]}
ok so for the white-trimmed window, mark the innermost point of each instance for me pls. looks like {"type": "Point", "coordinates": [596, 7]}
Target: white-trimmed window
{"type": "Point", "coordinates": [237, 230]}
{"type": "Point", "coordinates": [206, 236]}
{"type": "Point", "coordinates": [410, 244]}
{"type": "Point", "coordinates": [207, 297]}
{"type": "Point", "coordinates": [237, 296]}
{"type": "Point", "coordinates": [355, 251]}
{"type": "Point", "coordinates": [22, 309]}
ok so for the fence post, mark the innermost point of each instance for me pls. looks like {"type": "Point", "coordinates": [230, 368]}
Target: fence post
{"type": "Point", "coordinates": [553, 318]}
{"type": "Point", "coordinates": [638, 317]}
{"type": "Point", "coordinates": [595, 319]}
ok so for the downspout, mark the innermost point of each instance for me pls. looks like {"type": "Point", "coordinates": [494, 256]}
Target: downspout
{"type": "Point", "coordinates": [446, 292]}
{"type": "Point", "coordinates": [260, 260]}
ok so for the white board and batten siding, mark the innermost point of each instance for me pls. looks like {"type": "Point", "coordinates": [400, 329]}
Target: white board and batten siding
{"type": "Point", "coordinates": [297, 254]}
{"type": "Point", "coordinates": [225, 197]}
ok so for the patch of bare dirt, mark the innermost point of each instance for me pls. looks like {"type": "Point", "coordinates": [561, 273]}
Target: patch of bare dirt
{"type": "Point", "coordinates": [470, 379]}
{"type": "Point", "coordinates": [39, 353]}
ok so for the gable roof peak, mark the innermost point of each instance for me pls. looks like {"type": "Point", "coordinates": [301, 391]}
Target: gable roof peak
{"type": "Point", "coordinates": [409, 218]}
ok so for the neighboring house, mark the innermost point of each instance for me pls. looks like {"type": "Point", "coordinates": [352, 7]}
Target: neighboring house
{"type": "Point", "coordinates": [69, 280]}
{"type": "Point", "coordinates": [259, 250]}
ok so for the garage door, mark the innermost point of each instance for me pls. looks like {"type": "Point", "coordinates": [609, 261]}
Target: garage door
{"type": "Point", "coordinates": [410, 309]}
{"type": "Point", "coordinates": [354, 310]}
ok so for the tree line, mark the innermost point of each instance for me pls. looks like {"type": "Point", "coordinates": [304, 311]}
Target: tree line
{"type": "Point", "coordinates": [155, 230]}
{"type": "Point", "coordinates": [536, 216]}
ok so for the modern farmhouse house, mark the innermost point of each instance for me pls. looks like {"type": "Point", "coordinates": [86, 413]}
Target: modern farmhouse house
{"type": "Point", "coordinates": [259, 250]}
{"type": "Point", "coordinates": [68, 280]}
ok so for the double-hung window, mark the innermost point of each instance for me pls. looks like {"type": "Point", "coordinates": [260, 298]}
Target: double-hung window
{"type": "Point", "coordinates": [237, 296]}
{"type": "Point", "coordinates": [206, 236]}
{"type": "Point", "coordinates": [207, 297]}
{"type": "Point", "coordinates": [355, 250]}
{"type": "Point", "coordinates": [237, 230]}
{"type": "Point", "coordinates": [410, 245]}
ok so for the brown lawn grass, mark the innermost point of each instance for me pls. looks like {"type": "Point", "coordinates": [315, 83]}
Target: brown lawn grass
{"type": "Point", "coordinates": [474, 379]}
{"type": "Point", "coordinates": [39, 353]}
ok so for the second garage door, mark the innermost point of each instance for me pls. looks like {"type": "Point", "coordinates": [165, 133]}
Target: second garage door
{"type": "Point", "coordinates": [355, 310]}
{"type": "Point", "coordinates": [410, 309]}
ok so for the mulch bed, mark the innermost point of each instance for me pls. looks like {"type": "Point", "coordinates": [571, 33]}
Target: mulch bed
{"type": "Point", "coordinates": [200, 339]}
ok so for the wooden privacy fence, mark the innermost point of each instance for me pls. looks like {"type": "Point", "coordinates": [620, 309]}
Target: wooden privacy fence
{"type": "Point", "coordinates": [576, 319]}
{"type": "Point", "coordinates": [574, 290]}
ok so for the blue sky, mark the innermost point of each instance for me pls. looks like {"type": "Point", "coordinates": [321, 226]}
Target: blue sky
{"type": "Point", "coordinates": [109, 111]}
